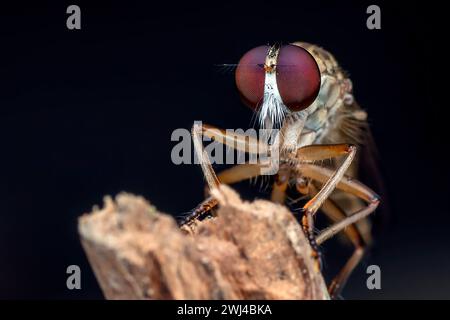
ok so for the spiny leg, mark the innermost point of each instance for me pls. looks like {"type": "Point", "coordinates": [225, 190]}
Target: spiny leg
{"type": "Point", "coordinates": [237, 173]}
{"type": "Point", "coordinates": [235, 140]}
{"type": "Point", "coordinates": [303, 187]}
{"type": "Point", "coordinates": [349, 220]}
{"type": "Point", "coordinates": [208, 173]}
{"type": "Point", "coordinates": [355, 188]}
{"type": "Point", "coordinates": [335, 214]}
{"type": "Point", "coordinates": [346, 184]}
{"type": "Point", "coordinates": [203, 157]}
{"type": "Point", "coordinates": [205, 206]}
{"type": "Point", "coordinates": [234, 174]}
{"type": "Point", "coordinates": [320, 152]}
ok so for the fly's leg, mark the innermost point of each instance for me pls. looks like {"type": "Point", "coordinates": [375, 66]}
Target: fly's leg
{"type": "Point", "coordinates": [321, 152]}
{"type": "Point", "coordinates": [239, 172]}
{"type": "Point", "coordinates": [345, 222]}
{"type": "Point", "coordinates": [247, 144]}
{"type": "Point", "coordinates": [339, 281]}
{"type": "Point", "coordinates": [240, 142]}
{"type": "Point", "coordinates": [335, 214]}
{"type": "Point", "coordinates": [279, 188]}
{"type": "Point", "coordinates": [346, 184]}
{"type": "Point", "coordinates": [234, 174]}
{"type": "Point", "coordinates": [237, 141]}
{"type": "Point", "coordinates": [205, 206]}
{"type": "Point", "coordinates": [234, 140]}
{"type": "Point", "coordinates": [203, 158]}
{"type": "Point", "coordinates": [303, 187]}
{"type": "Point", "coordinates": [358, 215]}
{"type": "Point", "coordinates": [208, 173]}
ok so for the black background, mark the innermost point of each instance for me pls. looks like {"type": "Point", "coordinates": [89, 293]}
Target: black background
{"type": "Point", "coordinates": [89, 113]}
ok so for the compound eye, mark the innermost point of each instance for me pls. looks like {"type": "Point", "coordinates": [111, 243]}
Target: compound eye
{"type": "Point", "coordinates": [250, 75]}
{"type": "Point", "coordinates": [298, 77]}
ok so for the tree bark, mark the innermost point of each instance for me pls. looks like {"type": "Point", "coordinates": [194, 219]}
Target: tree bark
{"type": "Point", "coordinates": [251, 250]}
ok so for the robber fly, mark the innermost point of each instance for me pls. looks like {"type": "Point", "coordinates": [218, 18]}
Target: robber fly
{"type": "Point", "coordinates": [301, 89]}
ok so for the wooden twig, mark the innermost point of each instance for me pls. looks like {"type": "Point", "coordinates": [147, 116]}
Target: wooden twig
{"type": "Point", "coordinates": [249, 251]}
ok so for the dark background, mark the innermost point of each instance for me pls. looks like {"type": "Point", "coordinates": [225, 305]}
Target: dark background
{"type": "Point", "coordinates": [90, 113]}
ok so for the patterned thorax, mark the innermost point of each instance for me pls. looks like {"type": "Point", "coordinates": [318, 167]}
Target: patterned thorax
{"type": "Point", "coordinates": [335, 93]}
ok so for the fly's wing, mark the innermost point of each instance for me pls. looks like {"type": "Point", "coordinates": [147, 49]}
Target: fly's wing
{"type": "Point", "coordinates": [350, 126]}
{"type": "Point", "coordinates": [370, 173]}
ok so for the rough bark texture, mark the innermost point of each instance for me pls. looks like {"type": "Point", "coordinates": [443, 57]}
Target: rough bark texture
{"type": "Point", "coordinates": [249, 251]}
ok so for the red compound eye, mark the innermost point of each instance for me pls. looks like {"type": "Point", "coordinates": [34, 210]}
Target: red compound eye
{"type": "Point", "coordinates": [298, 77]}
{"type": "Point", "coordinates": [250, 76]}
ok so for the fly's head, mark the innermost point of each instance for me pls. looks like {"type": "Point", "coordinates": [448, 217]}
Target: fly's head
{"type": "Point", "coordinates": [277, 80]}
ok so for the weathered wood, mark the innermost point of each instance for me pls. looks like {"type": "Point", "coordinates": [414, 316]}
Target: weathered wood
{"type": "Point", "coordinates": [251, 250]}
